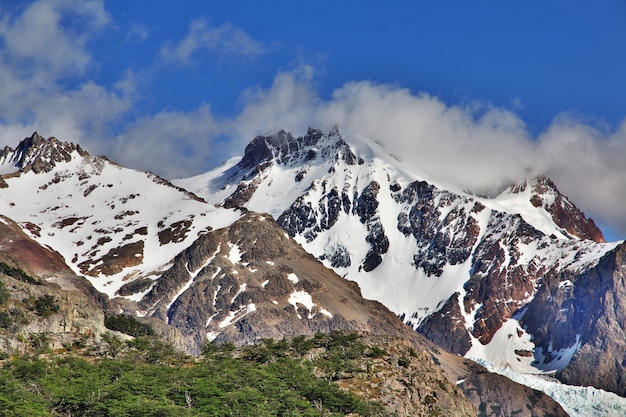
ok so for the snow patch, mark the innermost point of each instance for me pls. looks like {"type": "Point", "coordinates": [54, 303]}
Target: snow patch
{"type": "Point", "coordinates": [216, 273]}
{"type": "Point", "coordinates": [219, 287]}
{"type": "Point", "coordinates": [211, 336]}
{"type": "Point", "coordinates": [305, 299]}
{"type": "Point", "coordinates": [234, 255]}
{"type": "Point", "coordinates": [242, 288]}
{"type": "Point", "coordinates": [562, 357]}
{"type": "Point", "coordinates": [208, 321]}
{"type": "Point", "coordinates": [293, 278]}
{"type": "Point", "coordinates": [510, 347]}
{"type": "Point", "coordinates": [234, 316]}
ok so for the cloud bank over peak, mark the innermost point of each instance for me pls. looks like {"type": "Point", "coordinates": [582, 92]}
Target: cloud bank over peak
{"type": "Point", "coordinates": [49, 70]}
{"type": "Point", "coordinates": [473, 145]}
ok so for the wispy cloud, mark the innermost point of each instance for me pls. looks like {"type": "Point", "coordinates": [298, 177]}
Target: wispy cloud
{"type": "Point", "coordinates": [171, 143]}
{"type": "Point", "coordinates": [224, 40]}
{"type": "Point", "coordinates": [137, 33]}
{"type": "Point", "coordinates": [45, 46]}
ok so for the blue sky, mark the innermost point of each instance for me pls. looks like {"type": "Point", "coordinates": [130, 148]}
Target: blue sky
{"type": "Point", "coordinates": [478, 93]}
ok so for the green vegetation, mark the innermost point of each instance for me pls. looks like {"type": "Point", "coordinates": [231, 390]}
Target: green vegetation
{"type": "Point", "coordinates": [149, 378]}
{"type": "Point", "coordinates": [12, 319]}
{"type": "Point", "coordinates": [45, 306]}
{"type": "Point", "coordinates": [17, 273]}
{"type": "Point", "coordinates": [4, 293]}
{"type": "Point", "coordinates": [128, 325]}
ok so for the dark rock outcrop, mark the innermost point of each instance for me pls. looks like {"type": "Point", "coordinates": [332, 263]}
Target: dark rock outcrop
{"type": "Point", "coordinates": [258, 290]}
{"type": "Point", "coordinates": [584, 311]}
{"type": "Point", "coordinates": [39, 154]}
{"type": "Point", "coordinates": [565, 214]}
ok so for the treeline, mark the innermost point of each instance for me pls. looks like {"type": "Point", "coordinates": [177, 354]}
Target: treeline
{"type": "Point", "coordinates": [145, 377]}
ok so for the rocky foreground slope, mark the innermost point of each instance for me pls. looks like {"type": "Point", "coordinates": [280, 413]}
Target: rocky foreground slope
{"type": "Point", "coordinates": [413, 377]}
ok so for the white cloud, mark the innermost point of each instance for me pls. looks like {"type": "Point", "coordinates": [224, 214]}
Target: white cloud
{"type": "Point", "coordinates": [223, 40]}
{"type": "Point", "coordinates": [473, 146]}
{"type": "Point", "coordinates": [289, 104]}
{"type": "Point", "coordinates": [138, 33]}
{"type": "Point", "coordinates": [43, 67]}
{"type": "Point", "coordinates": [463, 145]}
{"type": "Point", "coordinates": [170, 143]}
{"type": "Point", "coordinates": [176, 144]}
{"type": "Point", "coordinates": [589, 165]}
{"type": "Point", "coordinates": [37, 38]}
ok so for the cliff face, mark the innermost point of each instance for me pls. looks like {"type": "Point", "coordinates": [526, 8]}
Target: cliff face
{"type": "Point", "coordinates": [583, 315]}
{"type": "Point", "coordinates": [44, 301]}
{"type": "Point", "coordinates": [251, 281]}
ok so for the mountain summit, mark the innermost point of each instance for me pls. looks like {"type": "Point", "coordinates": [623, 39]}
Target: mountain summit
{"type": "Point", "coordinates": [38, 154]}
{"type": "Point", "coordinates": [464, 270]}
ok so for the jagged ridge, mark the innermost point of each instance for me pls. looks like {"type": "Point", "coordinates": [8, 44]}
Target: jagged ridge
{"type": "Point", "coordinates": [456, 266]}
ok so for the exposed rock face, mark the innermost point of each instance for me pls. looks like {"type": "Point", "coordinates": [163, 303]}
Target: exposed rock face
{"type": "Point", "coordinates": [251, 281]}
{"type": "Point", "coordinates": [454, 266]}
{"type": "Point", "coordinates": [39, 154]}
{"type": "Point", "coordinates": [79, 318]}
{"type": "Point", "coordinates": [39, 260]}
{"type": "Point", "coordinates": [564, 213]}
{"type": "Point", "coordinates": [284, 149]}
{"type": "Point", "coordinates": [494, 397]}
{"type": "Point", "coordinates": [79, 313]}
{"type": "Point", "coordinates": [455, 338]}
{"type": "Point", "coordinates": [440, 241]}
{"type": "Point", "coordinates": [584, 312]}
{"type": "Point", "coordinates": [501, 280]}
{"type": "Point", "coordinates": [407, 382]}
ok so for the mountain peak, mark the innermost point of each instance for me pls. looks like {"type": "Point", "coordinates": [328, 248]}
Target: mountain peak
{"type": "Point", "coordinates": [278, 146]}
{"type": "Point", "coordinates": [283, 148]}
{"type": "Point", "coordinates": [39, 154]}
{"type": "Point", "coordinates": [543, 193]}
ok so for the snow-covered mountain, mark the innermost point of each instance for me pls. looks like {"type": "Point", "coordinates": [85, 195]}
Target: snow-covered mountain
{"type": "Point", "coordinates": [504, 279]}
{"type": "Point", "coordinates": [112, 224]}
{"type": "Point", "coordinates": [521, 280]}
{"type": "Point", "coordinates": [195, 271]}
